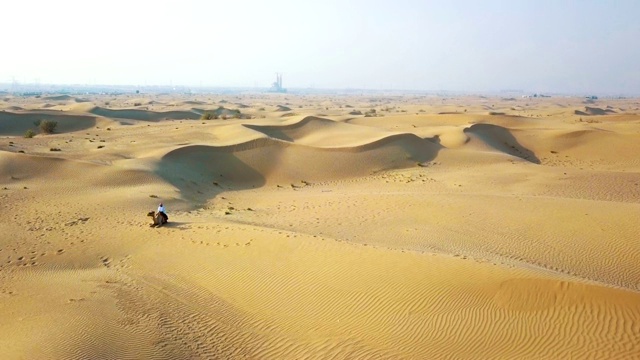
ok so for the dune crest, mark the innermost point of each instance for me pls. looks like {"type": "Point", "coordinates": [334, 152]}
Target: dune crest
{"type": "Point", "coordinates": [144, 115]}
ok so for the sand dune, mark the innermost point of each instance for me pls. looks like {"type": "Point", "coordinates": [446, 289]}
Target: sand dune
{"type": "Point", "coordinates": [145, 115]}
{"type": "Point", "coordinates": [270, 161]}
{"type": "Point", "coordinates": [594, 111]}
{"type": "Point", "coordinates": [283, 108]}
{"type": "Point", "coordinates": [59, 98]}
{"type": "Point", "coordinates": [321, 132]}
{"type": "Point", "coordinates": [16, 124]}
{"type": "Point", "coordinates": [434, 230]}
{"type": "Point", "coordinates": [189, 102]}
{"type": "Point", "coordinates": [501, 140]}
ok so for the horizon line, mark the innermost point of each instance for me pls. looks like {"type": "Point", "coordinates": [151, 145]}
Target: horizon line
{"type": "Point", "coordinates": [35, 87]}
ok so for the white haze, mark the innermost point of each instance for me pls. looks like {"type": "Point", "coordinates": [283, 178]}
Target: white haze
{"type": "Point", "coordinates": [547, 46]}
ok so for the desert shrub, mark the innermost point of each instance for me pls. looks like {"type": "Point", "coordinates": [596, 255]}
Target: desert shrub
{"type": "Point", "coordinates": [371, 113]}
{"type": "Point", "coordinates": [29, 134]}
{"type": "Point", "coordinates": [223, 113]}
{"type": "Point", "coordinates": [234, 114]}
{"type": "Point", "coordinates": [208, 116]}
{"type": "Point", "coordinates": [48, 126]}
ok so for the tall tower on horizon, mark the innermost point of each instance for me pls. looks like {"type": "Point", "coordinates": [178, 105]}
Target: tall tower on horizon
{"type": "Point", "coordinates": [277, 85]}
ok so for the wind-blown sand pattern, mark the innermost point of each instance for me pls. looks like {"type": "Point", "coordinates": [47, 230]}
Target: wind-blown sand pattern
{"type": "Point", "coordinates": [440, 229]}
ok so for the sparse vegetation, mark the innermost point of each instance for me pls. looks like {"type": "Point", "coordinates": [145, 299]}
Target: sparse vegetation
{"type": "Point", "coordinates": [224, 113]}
{"type": "Point", "coordinates": [48, 126]}
{"type": "Point", "coordinates": [371, 113]}
{"type": "Point", "coordinates": [29, 134]}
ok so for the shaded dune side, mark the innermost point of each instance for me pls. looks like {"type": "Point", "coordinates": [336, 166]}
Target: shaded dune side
{"type": "Point", "coordinates": [501, 139]}
{"type": "Point", "coordinates": [192, 102]}
{"type": "Point", "coordinates": [145, 115]}
{"type": "Point", "coordinates": [17, 123]}
{"type": "Point", "coordinates": [194, 169]}
{"type": "Point", "coordinates": [594, 111]}
{"type": "Point", "coordinates": [58, 98]}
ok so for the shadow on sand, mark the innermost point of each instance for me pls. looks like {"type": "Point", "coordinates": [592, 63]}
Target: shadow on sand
{"type": "Point", "coordinates": [502, 140]}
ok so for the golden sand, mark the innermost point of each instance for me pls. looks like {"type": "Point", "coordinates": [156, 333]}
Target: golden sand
{"type": "Point", "coordinates": [446, 228]}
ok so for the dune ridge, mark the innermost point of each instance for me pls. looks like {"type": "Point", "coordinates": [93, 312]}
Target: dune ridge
{"type": "Point", "coordinates": [588, 110]}
{"type": "Point", "coordinates": [144, 115]}
{"type": "Point", "coordinates": [264, 161]}
{"type": "Point", "coordinates": [58, 98]}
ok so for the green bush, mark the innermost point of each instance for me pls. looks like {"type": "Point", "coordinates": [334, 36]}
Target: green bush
{"type": "Point", "coordinates": [29, 134]}
{"type": "Point", "coordinates": [48, 127]}
{"type": "Point", "coordinates": [223, 113]}
{"type": "Point", "coordinates": [208, 116]}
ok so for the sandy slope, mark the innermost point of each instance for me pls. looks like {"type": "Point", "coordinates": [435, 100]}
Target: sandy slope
{"type": "Point", "coordinates": [447, 228]}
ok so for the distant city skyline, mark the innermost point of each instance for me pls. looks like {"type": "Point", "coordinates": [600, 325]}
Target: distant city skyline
{"type": "Point", "coordinates": [569, 47]}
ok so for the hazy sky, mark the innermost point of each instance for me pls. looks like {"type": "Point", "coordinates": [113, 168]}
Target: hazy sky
{"type": "Point", "coordinates": [581, 46]}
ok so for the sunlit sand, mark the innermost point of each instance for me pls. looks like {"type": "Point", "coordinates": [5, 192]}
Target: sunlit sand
{"type": "Point", "coordinates": [465, 227]}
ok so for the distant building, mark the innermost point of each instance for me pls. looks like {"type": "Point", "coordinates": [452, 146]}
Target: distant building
{"type": "Point", "coordinates": [277, 85]}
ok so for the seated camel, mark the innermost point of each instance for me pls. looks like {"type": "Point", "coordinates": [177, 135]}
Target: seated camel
{"type": "Point", "coordinates": [158, 219]}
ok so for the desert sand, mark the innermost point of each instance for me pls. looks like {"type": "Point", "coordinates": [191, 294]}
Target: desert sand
{"type": "Point", "coordinates": [440, 228]}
